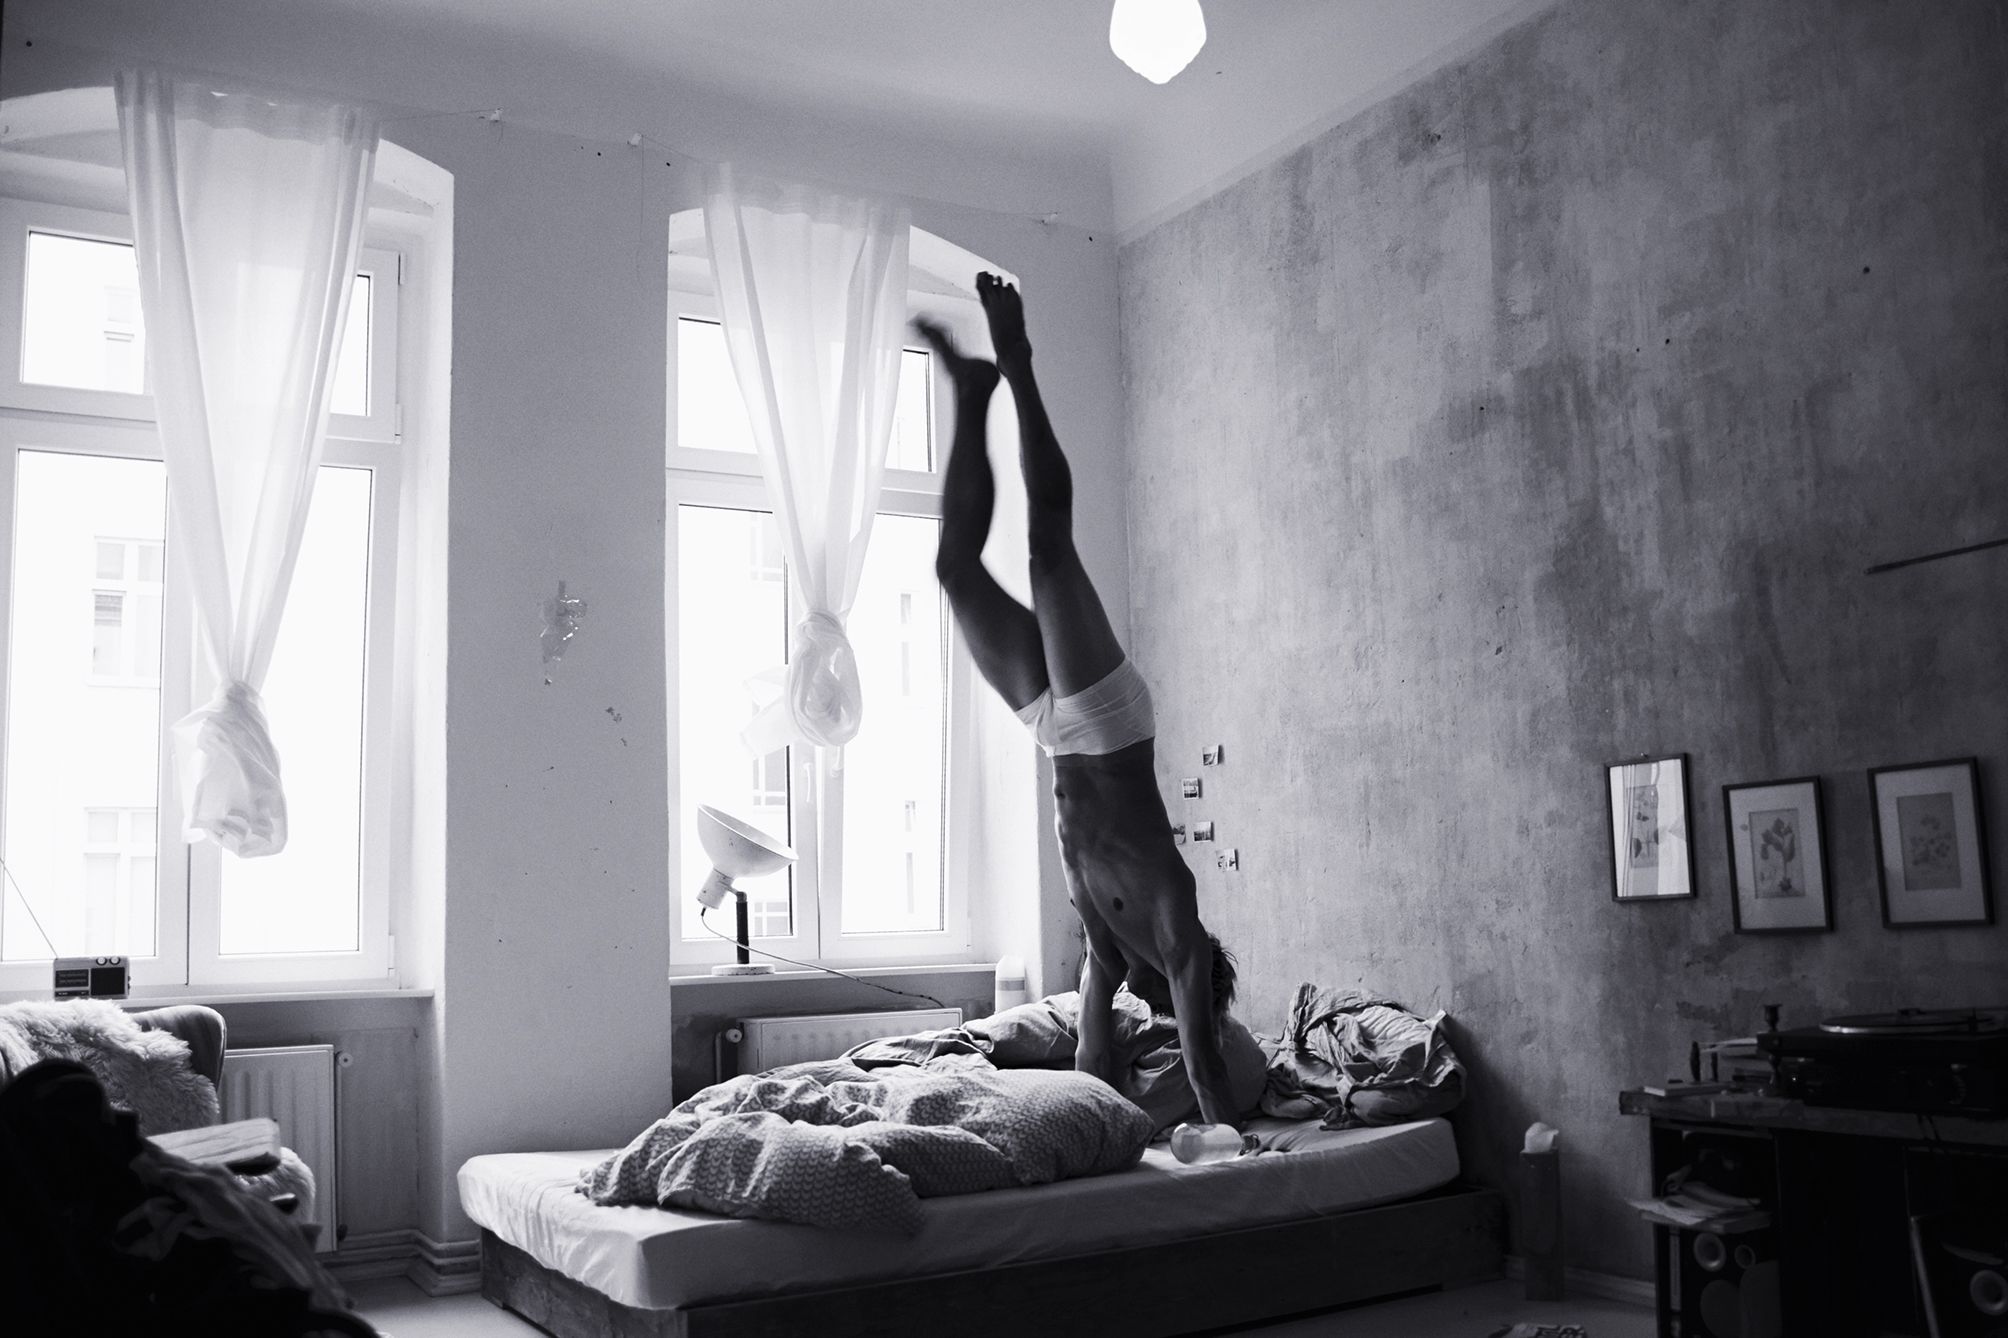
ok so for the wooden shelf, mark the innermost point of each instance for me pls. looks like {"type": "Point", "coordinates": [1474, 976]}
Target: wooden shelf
{"type": "Point", "coordinates": [1771, 1112]}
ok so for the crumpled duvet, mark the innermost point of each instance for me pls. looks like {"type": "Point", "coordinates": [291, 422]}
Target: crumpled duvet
{"type": "Point", "coordinates": [1043, 1034]}
{"type": "Point", "coordinates": [1350, 1058]}
{"type": "Point", "coordinates": [831, 1145]}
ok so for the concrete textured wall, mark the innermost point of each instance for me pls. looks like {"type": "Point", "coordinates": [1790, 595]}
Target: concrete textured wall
{"type": "Point", "coordinates": [1545, 414]}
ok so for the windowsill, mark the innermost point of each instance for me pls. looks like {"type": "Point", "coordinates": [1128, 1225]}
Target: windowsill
{"type": "Point", "coordinates": [213, 997]}
{"type": "Point", "coordinates": [689, 976]}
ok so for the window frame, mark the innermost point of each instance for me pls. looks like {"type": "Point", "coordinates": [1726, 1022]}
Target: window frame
{"type": "Point", "coordinates": [732, 479]}
{"type": "Point", "coordinates": [76, 421]}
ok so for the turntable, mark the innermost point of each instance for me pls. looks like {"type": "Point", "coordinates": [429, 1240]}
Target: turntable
{"type": "Point", "coordinates": [1933, 1061]}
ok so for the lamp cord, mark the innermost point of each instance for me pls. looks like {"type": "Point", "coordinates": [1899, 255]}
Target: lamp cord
{"type": "Point", "coordinates": [811, 966]}
{"type": "Point", "coordinates": [21, 894]}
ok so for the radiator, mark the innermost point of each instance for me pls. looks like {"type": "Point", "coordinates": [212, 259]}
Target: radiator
{"type": "Point", "coordinates": [295, 1085]}
{"type": "Point", "coordinates": [765, 1042]}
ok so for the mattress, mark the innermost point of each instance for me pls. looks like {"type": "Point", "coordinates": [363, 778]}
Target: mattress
{"type": "Point", "coordinates": [661, 1258]}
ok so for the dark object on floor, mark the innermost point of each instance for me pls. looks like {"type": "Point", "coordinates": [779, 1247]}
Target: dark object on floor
{"type": "Point", "coordinates": [105, 1233]}
{"type": "Point", "coordinates": [1541, 1331]}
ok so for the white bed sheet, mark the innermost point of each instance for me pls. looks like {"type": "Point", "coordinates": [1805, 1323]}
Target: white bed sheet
{"type": "Point", "coordinates": [658, 1258]}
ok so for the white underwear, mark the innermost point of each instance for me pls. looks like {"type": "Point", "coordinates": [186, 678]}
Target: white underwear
{"type": "Point", "coordinates": [1104, 718]}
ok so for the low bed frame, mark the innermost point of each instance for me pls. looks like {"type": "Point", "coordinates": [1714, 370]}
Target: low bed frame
{"type": "Point", "coordinates": [1450, 1236]}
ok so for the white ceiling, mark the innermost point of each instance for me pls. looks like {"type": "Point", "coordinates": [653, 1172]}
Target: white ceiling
{"type": "Point", "coordinates": [1036, 70]}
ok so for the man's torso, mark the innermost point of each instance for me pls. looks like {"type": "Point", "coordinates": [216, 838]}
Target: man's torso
{"type": "Point", "coordinates": [1130, 885]}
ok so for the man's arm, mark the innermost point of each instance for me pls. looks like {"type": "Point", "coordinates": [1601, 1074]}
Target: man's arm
{"type": "Point", "coordinates": [1190, 967]}
{"type": "Point", "coordinates": [1098, 994]}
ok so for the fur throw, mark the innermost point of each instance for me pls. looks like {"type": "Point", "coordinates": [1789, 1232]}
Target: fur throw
{"type": "Point", "coordinates": [145, 1072]}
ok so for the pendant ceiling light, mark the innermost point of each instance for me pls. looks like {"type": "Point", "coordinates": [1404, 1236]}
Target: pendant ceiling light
{"type": "Point", "coordinates": [1157, 38]}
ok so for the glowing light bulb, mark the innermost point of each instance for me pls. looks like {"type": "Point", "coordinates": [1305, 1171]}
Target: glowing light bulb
{"type": "Point", "coordinates": [1157, 38]}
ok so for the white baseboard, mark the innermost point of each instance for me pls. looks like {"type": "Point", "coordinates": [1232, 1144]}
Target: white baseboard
{"type": "Point", "coordinates": [1589, 1282]}
{"type": "Point", "coordinates": [439, 1268]}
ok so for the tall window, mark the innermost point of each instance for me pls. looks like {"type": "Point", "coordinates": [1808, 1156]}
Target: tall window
{"type": "Point", "coordinates": [100, 650]}
{"type": "Point", "coordinates": [870, 883]}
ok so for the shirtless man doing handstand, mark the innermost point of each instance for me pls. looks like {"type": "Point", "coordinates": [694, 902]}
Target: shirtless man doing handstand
{"type": "Point", "coordinates": [1059, 666]}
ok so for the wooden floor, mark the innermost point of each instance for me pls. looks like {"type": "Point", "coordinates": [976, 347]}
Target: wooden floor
{"type": "Point", "coordinates": [400, 1310]}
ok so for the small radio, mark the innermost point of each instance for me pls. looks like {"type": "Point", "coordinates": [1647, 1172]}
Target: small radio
{"type": "Point", "coordinates": [92, 978]}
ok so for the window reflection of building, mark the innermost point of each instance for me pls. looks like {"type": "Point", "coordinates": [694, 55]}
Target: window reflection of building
{"type": "Point", "coordinates": [118, 855]}
{"type": "Point", "coordinates": [125, 612]}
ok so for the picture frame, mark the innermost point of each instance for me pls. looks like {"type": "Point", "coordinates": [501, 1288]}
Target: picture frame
{"type": "Point", "coordinates": [1778, 857]}
{"type": "Point", "coordinates": [1651, 829]}
{"type": "Point", "coordinates": [1931, 844]}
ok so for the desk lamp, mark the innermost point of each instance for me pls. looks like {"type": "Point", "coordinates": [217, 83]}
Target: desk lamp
{"type": "Point", "coordinates": [737, 851]}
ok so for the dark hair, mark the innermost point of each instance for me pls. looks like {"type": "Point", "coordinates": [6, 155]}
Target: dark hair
{"type": "Point", "coordinates": [1223, 976]}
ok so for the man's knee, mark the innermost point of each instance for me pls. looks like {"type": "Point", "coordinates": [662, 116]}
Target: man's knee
{"type": "Point", "coordinates": [955, 564]}
{"type": "Point", "coordinates": [1051, 492]}
{"type": "Point", "coordinates": [1049, 541]}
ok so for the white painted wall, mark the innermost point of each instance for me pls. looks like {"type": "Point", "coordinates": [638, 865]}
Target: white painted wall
{"type": "Point", "coordinates": [551, 1023]}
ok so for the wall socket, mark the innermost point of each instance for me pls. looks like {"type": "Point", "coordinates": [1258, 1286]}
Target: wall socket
{"type": "Point", "coordinates": [1229, 858]}
{"type": "Point", "coordinates": [1189, 787]}
{"type": "Point", "coordinates": [1202, 831]}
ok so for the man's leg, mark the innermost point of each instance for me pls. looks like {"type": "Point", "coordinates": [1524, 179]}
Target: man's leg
{"type": "Point", "coordinates": [1081, 647]}
{"type": "Point", "coordinates": [1003, 635]}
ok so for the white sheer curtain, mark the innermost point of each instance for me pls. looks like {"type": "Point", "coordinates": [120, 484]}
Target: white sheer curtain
{"type": "Point", "coordinates": [247, 214]}
{"type": "Point", "coordinates": [812, 287]}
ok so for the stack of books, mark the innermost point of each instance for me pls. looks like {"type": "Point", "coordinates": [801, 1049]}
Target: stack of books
{"type": "Point", "coordinates": [1699, 1207]}
{"type": "Point", "coordinates": [1738, 1063]}
{"type": "Point", "coordinates": [252, 1140]}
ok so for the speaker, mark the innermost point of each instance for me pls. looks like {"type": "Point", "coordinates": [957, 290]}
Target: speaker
{"type": "Point", "coordinates": [1962, 1272]}
{"type": "Point", "coordinates": [1729, 1285]}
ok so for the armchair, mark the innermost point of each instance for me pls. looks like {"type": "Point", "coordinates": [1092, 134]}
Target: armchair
{"type": "Point", "coordinates": [282, 1178]}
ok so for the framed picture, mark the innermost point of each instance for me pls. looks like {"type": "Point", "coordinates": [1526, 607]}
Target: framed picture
{"type": "Point", "coordinates": [1931, 853]}
{"type": "Point", "coordinates": [1777, 856]}
{"type": "Point", "coordinates": [1651, 829]}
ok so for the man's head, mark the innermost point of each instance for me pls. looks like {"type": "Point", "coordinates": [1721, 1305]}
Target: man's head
{"type": "Point", "coordinates": [1224, 976]}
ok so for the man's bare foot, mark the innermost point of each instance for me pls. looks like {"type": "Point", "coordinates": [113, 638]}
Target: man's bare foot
{"type": "Point", "coordinates": [972, 376]}
{"type": "Point", "coordinates": [1006, 311]}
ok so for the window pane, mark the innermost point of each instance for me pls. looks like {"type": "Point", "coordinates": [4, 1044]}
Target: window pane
{"type": "Point", "coordinates": [307, 898]}
{"type": "Point", "coordinates": [101, 827]}
{"type": "Point", "coordinates": [101, 895]}
{"type": "Point", "coordinates": [894, 770]}
{"type": "Point", "coordinates": [350, 392]}
{"type": "Point", "coordinates": [107, 634]}
{"type": "Point", "coordinates": [912, 444]}
{"type": "Point", "coordinates": [72, 744]}
{"type": "Point", "coordinates": [731, 623]}
{"type": "Point", "coordinates": [710, 415]}
{"type": "Point", "coordinates": [80, 322]}
{"type": "Point", "coordinates": [82, 326]}
{"type": "Point", "coordinates": [111, 561]}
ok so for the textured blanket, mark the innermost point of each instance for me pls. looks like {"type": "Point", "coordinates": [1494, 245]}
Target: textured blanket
{"type": "Point", "coordinates": [831, 1145]}
{"type": "Point", "coordinates": [145, 1072]}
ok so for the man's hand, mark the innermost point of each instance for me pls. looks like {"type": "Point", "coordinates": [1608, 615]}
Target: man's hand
{"type": "Point", "coordinates": [1096, 1062]}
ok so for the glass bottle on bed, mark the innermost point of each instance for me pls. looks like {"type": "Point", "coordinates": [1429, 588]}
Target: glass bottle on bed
{"type": "Point", "coordinates": [1197, 1143]}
